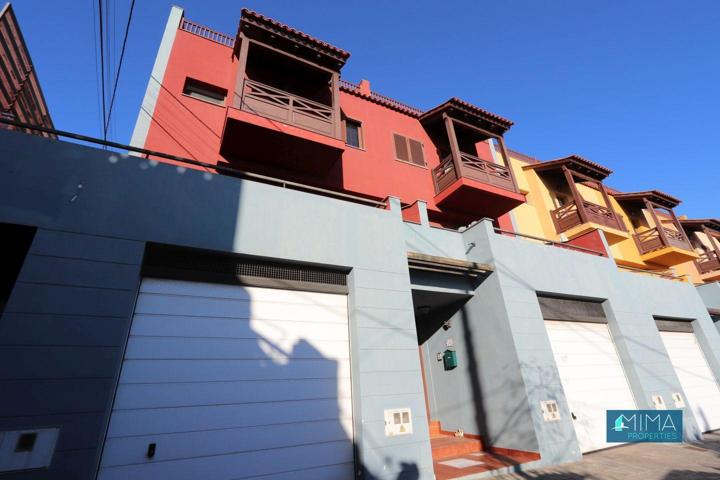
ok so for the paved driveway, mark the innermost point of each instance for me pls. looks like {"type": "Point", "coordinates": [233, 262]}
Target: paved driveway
{"type": "Point", "coordinates": [641, 461]}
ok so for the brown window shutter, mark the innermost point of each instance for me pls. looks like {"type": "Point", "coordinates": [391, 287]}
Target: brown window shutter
{"type": "Point", "coordinates": [401, 148]}
{"type": "Point", "coordinates": [416, 152]}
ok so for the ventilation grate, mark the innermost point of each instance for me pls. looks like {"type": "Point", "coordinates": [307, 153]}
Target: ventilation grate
{"type": "Point", "coordinates": [188, 261]}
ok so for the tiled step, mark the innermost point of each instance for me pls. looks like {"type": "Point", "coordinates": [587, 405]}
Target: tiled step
{"type": "Point", "coordinates": [435, 429]}
{"type": "Point", "coordinates": [447, 446]}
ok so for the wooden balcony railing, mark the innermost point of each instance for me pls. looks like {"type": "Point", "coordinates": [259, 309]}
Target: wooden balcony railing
{"type": "Point", "coordinates": [473, 168]}
{"type": "Point", "coordinates": [567, 216]}
{"type": "Point", "coordinates": [708, 262]}
{"type": "Point", "coordinates": [272, 102]}
{"type": "Point", "coordinates": [651, 240]}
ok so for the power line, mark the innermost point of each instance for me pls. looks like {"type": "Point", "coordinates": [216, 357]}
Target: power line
{"type": "Point", "coordinates": [102, 67]}
{"type": "Point", "coordinates": [120, 62]}
{"type": "Point", "coordinates": [95, 52]}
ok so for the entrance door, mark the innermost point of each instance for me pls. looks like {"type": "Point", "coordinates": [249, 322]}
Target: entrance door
{"type": "Point", "coordinates": [231, 382]}
{"type": "Point", "coordinates": [592, 377]}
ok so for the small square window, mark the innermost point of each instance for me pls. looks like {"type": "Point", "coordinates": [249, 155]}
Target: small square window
{"type": "Point", "coordinates": [353, 133]}
{"type": "Point", "coordinates": [26, 442]}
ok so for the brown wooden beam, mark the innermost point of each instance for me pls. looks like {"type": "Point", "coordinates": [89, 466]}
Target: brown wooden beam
{"type": "Point", "coordinates": [713, 239]}
{"type": "Point", "coordinates": [661, 230]}
{"type": "Point", "coordinates": [335, 91]}
{"type": "Point", "coordinates": [506, 158]}
{"type": "Point", "coordinates": [606, 197]}
{"type": "Point", "coordinates": [236, 100]}
{"type": "Point", "coordinates": [454, 147]}
{"type": "Point", "coordinates": [579, 201]}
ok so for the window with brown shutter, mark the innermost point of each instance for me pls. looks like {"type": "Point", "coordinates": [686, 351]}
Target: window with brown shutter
{"type": "Point", "coordinates": [408, 150]}
{"type": "Point", "coordinates": [416, 152]}
{"type": "Point", "coordinates": [401, 149]}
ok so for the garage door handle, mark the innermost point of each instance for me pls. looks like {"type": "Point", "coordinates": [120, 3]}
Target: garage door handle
{"type": "Point", "coordinates": [572, 414]}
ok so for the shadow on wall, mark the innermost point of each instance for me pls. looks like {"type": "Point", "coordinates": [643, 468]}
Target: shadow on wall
{"type": "Point", "coordinates": [235, 382]}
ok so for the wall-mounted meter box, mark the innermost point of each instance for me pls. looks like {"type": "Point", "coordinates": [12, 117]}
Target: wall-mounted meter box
{"type": "Point", "coordinates": [658, 402]}
{"type": "Point", "coordinates": [27, 449]}
{"type": "Point", "coordinates": [678, 399]}
{"type": "Point", "coordinates": [398, 421]}
{"type": "Point", "coordinates": [450, 359]}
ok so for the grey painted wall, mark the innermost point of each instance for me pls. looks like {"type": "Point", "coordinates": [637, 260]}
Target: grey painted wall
{"type": "Point", "coordinates": [507, 303]}
{"type": "Point", "coordinates": [95, 210]}
{"type": "Point", "coordinates": [61, 336]}
{"type": "Point", "coordinates": [152, 91]}
{"type": "Point", "coordinates": [710, 294]}
{"type": "Point", "coordinates": [631, 301]}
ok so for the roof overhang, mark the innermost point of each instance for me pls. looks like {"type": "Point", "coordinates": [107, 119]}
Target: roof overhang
{"type": "Point", "coordinates": [574, 163]}
{"type": "Point", "coordinates": [271, 32]}
{"type": "Point", "coordinates": [469, 114]}
{"type": "Point", "coordinates": [698, 224]}
{"type": "Point", "coordinates": [655, 196]}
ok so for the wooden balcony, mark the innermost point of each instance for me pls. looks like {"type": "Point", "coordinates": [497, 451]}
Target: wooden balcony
{"type": "Point", "coordinates": [272, 102]}
{"type": "Point", "coordinates": [270, 131]}
{"type": "Point", "coordinates": [476, 183]}
{"type": "Point", "coordinates": [664, 246]}
{"type": "Point", "coordinates": [568, 220]}
{"type": "Point", "coordinates": [708, 264]}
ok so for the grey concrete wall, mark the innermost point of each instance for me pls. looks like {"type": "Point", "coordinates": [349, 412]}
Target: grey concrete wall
{"type": "Point", "coordinates": [507, 304]}
{"type": "Point", "coordinates": [87, 201]}
{"type": "Point", "coordinates": [61, 338]}
{"type": "Point", "coordinates": [630, 301]}
{"type": "Point", "coordinates": [710, 294]}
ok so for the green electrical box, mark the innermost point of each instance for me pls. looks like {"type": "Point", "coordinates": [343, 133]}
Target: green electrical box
{"type": "Point", "coordinates": [449, 359]}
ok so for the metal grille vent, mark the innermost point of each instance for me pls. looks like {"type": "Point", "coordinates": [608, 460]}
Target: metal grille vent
{"type": "Point", "coordinates": [158, 258]}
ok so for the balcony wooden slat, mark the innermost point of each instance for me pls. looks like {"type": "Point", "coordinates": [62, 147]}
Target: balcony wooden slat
{"type": "Point", "coordinates": [473, 168]}
{"type": "Point", "coordinates": [272, 102]}
{"type": "Point", "coordinates": [655, 239]}
{"type": "Point", "coordinates": [568, 216]}
{"type": "Point", "coordinates": [708, 262]}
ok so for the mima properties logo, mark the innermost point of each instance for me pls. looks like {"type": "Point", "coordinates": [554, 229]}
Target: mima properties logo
{"type": "Point", "coordinates": [644, 426]}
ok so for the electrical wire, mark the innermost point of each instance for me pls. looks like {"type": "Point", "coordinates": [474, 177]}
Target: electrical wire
{"type": "Point", "coordinates": [102, 67]}
{"type": "Point", "coordinates": [95, 52]}
{"type": "Point", "coordinates": [120, 62]}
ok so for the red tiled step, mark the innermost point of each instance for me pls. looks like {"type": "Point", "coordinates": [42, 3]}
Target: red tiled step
{"type": "Point", "coordinates": [435, 430]}
{"type": "Point", "coordinates": [446, 446]}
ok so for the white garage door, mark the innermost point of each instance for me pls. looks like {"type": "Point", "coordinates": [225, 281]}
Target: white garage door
{"type": "Point", "coordinates": [696, 378]}
{"type": "Point", "coordinates": [233, 382]}
{"type": "Point", "coordinates": [592, 378]}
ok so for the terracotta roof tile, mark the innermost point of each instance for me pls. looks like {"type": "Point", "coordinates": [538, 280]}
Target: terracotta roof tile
{"type": "Point", "coordinates": [380, 99]}
{"type": "Point", "coordinates": [506, 122]}
{"type": "Point", "coordinates": [662, 196]}
{"type": "Point", "coordinates": [288, 29]}
{"type": "Point", "coordinates": [502, 122]}
{"type": "Point", "coordinates": [596, 168]}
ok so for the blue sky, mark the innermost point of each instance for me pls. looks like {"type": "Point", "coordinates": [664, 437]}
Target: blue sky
{"type": "Point", "coordinates": [634, 86]}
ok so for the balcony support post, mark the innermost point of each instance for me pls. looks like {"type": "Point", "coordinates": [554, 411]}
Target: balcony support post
{"type": "Point", "coordinates": [241, 71]}
{"type": "Point", "coordinates": [506, 159]}
{"type": "Point", "coordinates": [606, 197]}
{"type": "Point", "coordinates": [713, 239]}
{"type": "Point", "coordinates": [454, 147]}
{"type": "Point", "coordinates": [661, 230]}
{"type": "Point", "coordinates": [680, 229]}
{"type": "Point", "coordinates": [335, 91]}
{"type": "Point", "coordinates": [576, 194]}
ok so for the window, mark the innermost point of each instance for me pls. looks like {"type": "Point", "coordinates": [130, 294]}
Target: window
{"type": "Point", "coordinates": [204, 91]}
{"type": "Point", "coordinates": [353, 133]}
{"type": "Point", "coordinates": [408, 150]}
